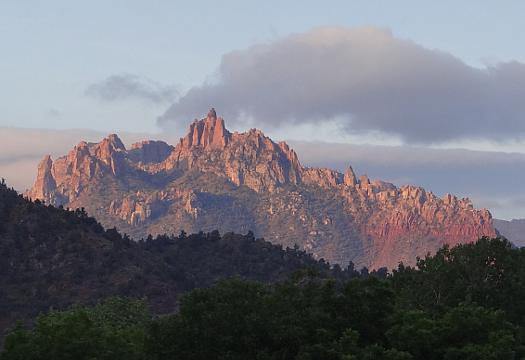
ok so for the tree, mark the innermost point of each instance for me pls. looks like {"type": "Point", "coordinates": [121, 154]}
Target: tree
{"type": "Point", "coordinates": [114, 329]}
{"type": "Point", "coordinates": [464, 332]}
{"type": "Point", "coordinates": [489, 273]}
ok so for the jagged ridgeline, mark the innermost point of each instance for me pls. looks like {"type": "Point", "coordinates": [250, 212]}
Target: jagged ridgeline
{"type": "Point", "coordinates": [53, 257]}
{"type": "Point", "coordinates": [215, 179]}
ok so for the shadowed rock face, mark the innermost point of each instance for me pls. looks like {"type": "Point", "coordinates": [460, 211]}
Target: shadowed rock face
{"type": "Point", "coordinates": [214, 179]}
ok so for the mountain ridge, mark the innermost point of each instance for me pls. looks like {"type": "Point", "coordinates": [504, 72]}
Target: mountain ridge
{"type": "Point", "coordinates": [245, 181]}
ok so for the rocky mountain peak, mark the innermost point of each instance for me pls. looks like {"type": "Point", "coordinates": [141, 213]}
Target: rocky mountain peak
{"type": "Point", "coordinates": [111, 152]}
{"type": "Point", "coordinates": [215, 179]}
{"type": "Point", "coordinates": [349, 178]}
{"type": "Point", "coordinates": [45, 164]}
{"type": "Point", "coordinates": [150, 151]}
{"type": "Point", "coordinates": [212, 114]}
{"type": "Point", "coordinates": [44, 183]}
{"type": "Point", "coordinates": [250, 158]}
{"type": "Point", "coordinates": [114, 141]}
{"type": "Point", "coordinates": [208, 133]}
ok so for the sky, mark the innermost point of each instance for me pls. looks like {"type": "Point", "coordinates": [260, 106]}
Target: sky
{"type": "Point", "coordinates": [430, 75]}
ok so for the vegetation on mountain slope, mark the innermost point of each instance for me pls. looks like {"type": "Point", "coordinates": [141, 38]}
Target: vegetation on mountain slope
{"type": "Point", "coordinates": [53, 257]}
{"type": "Point", "coordinates": [462, 303]}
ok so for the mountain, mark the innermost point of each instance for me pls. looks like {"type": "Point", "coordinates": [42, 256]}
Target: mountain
{"type": "Point", "coordinates": [514, 230]}
{"type": "Point", "coordinates": [53, 257]}
{"type": "Point", "coordinates": [215, 179]}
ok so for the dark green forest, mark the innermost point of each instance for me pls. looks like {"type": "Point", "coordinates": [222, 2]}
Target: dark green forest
{"type": "Point", "coordinates": [55, 258]}
{"type": "Point", "coordinates": [83, 292]}
{"type": "Point", "coordinates": [462, 303]}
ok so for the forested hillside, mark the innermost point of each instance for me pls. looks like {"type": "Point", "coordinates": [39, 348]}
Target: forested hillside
{"type": "Point", "coordinates": [464, 303]}
{"type": "Point", "coordinates": [53, 257]}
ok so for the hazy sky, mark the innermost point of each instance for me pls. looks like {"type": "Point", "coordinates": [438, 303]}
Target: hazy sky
{"type": "Point", "coordinates": [431, 74]}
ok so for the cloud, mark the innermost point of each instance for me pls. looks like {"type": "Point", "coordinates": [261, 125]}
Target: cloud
{"type": "Point", "coordinates": [369, 81]}
{"type": "Point", "coordinates": [52, 113]}
{"type": "Point", "coordinates": [129, 86]}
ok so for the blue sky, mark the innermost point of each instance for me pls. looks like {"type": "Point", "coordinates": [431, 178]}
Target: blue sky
{"type": "Point", "coordinates": [52, 50]}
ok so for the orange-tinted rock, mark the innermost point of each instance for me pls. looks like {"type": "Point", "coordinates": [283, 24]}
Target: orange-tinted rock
{"type": "Point", "coordinates": [349, 177]}
{"type": "Point", "coordinates": [207, 133]}
{"type": "Point", "coordinates": [45, 182]}
{"type": "Point", "coordinates": [79, 169]}
{"type": "Point", "coordinates": [214, 179]}
{"type": "Point", "coordinates": [150, 152]}
{"type": "Point", "coordinates": [322, 177]}
{"type": "Point", "coordinates": [249, 159]}
{"type": "Point", "coordinates": [109, 151]}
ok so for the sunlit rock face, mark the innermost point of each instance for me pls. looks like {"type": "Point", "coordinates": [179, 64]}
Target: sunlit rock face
{"type": "Point", "coordinates": [215, 179]}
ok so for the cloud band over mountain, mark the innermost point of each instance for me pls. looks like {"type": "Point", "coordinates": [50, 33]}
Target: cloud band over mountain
{"type": "Point", "coordinates": [367, 79]}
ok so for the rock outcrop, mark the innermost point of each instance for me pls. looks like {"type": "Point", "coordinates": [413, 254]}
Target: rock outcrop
{"type": "Point", "coordinates": [215, 179]}
{"type": "Point", "coordinates": [45, 183]}
{"type": "Point", "coordinates": [63, 180]}
{"type": "Point", "coordinates": [150, 152]}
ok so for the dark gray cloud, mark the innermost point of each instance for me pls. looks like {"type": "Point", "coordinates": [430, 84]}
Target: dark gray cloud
{"type": "Point", "coordinates": [367, 79]}
{"type": "Point", "coordinates": [129, 86]}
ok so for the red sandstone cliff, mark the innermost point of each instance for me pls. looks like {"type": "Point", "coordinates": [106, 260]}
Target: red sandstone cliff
{"type": "Point", "coordinates": [244, 181]}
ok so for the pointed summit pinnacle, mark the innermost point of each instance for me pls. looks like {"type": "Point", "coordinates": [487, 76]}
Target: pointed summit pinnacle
{"type": "Point", "coordinates": [208, 132]}
{"type": "Point", "coordinates": [349, 177]}
{"type": "Point", "coordinates": [212, 114]}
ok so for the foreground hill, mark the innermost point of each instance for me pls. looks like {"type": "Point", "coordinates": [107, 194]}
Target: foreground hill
{"type": "Point", "coordinates": [52, 257]}
{"type": "Point", "coordinates": [464, 303]}
{"type": "Point", "coordinates": [214, 179]}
